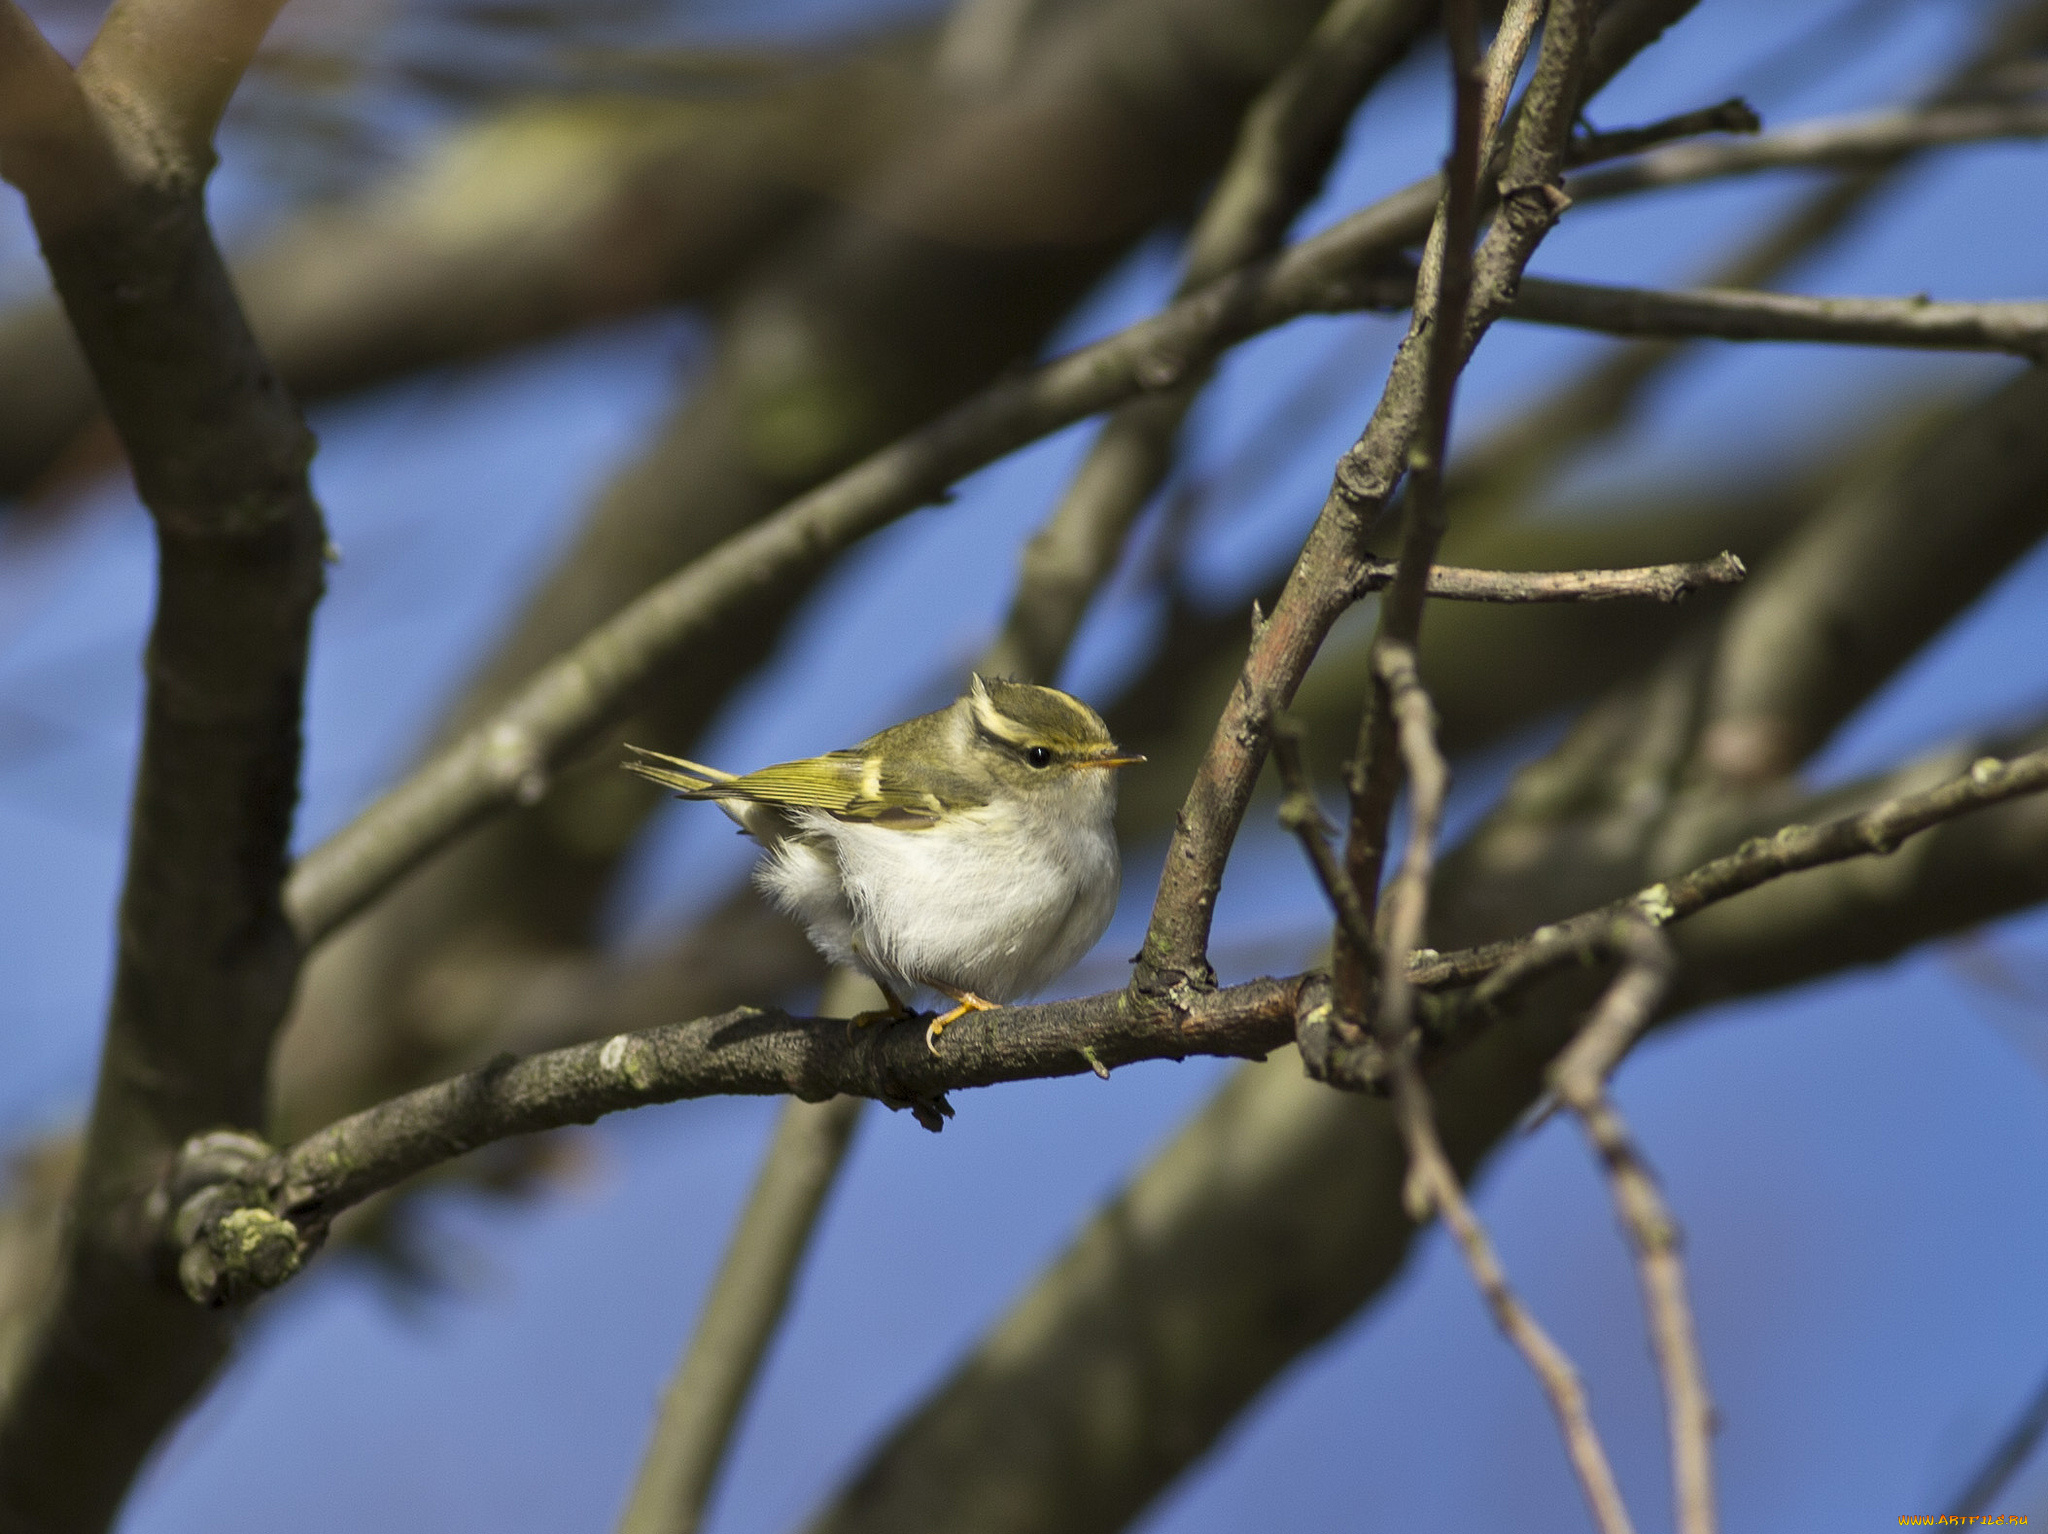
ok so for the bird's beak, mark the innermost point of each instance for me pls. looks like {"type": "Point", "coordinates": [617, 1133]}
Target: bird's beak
{"type": "Point", "coordinates": [1110, 761]}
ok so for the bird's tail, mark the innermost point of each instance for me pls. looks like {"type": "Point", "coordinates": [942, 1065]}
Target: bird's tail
{"type": "Point", "coordinates": [690, 779]}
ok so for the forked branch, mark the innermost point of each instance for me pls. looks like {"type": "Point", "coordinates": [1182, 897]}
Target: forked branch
{"type": "Point", "coordinates": [1579, 1080]}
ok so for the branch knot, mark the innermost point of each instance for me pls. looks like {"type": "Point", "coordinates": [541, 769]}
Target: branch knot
{"type": "Point", "coordinates": [231, 1242]}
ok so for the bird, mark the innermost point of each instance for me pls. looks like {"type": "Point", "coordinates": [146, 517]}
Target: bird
{"type": "Point", "coordinates": [970, 851]}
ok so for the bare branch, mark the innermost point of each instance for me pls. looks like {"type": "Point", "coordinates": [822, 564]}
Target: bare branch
{"type": "Point", "coordinates": [1300, 814]}
{"type": "Point", "coordinates": [1660, 583]}
{"type": "Point", "coordinates": [1429, 780]}
{"type": "Point", "coordinates": [747, 1299]}
{"type": "Point", "coordinates": [1879, 830]}
{"type": "Point", "coordinates": [171, 65]}
{"type": "Point", "coordinates": [1848, 143]}
{"type": "Point", "coordinates": [1174, 955]}
{"type": "Point", "coordinates": [1731, 116]}
{"type": "Point", "coordinates": [1871, 577]}
{"type": "Point", "coordinates": [1283, 151]}
{"type": "Point", "coordinates": [1430, 1171]}
{"type": "Point", "coordinates": [2018, 328]}
{"type": "Point", "coordinates": [1373, 776]}
{"type": "Point", "coordinates": [1432, 1181]}
{"type": "Point", "coordinates": [752, 1051]}
{"type": "Point", "coordinates": [761, 1052]}
{"type": "Point", "coordinates": [206, 960]}
{"type": "Point", "coordinates": [52, 144]}
{"type": "Point", "coordinates": [1579, 1078]}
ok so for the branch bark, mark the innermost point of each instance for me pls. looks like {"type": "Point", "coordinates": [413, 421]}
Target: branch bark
{"type": "Point", "coordinates": [113, 166]}
{"type": "Point", "coordinates": [2020, 329]}
{"type": "Point", "coordinates": [1284, 150]}
{"type": "Point", "coordinates": [1841, 143]}
{"type": "Point", "coordinates": [702, 1404]}
{"type": "Point", "coordinates": [1579, 1079]}
{"type": "Point", "coordinates": [1174, 959]}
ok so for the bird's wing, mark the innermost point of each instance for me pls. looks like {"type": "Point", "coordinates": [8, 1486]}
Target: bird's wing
{"type": "Point", "coordinates": [847, 785]}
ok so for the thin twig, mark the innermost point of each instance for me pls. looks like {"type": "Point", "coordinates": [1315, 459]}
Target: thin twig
{"type": "Point", "coordinates": [1301, 814]}
{"type": "Point", "coordinates": [1432, 1181]}
{"type": "Point", "coordinates": [1659, 583]}
{"type": "Point", "coordinates": [1408, 897]}
{"type": "Point", "coordinates": [1832, 142]}
{"type": "Point", "coordinates": [1506, 966]}
{"type": "Point", "coordinates": [1430, 1170]}
{"type": "Point", "coordinates": [1732, 116]}
{"type": "Point", "coordinates": [1284, 150]}
{"type": "Point", "coordinates": [1443, 292]}
{"type": "Point", "coordinates": [1579, 1079]}
{"type": "Point", "coordinates": [1734, 315]}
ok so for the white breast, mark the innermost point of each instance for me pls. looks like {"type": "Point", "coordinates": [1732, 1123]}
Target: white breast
{"type": "Point", "coordinates": [999, 902]}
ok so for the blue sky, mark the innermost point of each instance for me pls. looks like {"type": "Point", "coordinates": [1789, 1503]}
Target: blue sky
{"type": "Point", "coordinates": [1862, 1166]}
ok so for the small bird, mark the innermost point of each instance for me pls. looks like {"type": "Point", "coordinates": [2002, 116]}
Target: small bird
{"type": "Point", "coordinates": [969, 850]}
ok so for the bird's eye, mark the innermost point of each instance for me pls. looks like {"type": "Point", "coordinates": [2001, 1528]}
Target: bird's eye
{"type": "Point", "coordinates": [1038, 756]}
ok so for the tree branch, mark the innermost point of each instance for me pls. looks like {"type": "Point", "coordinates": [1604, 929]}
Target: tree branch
{"type": "Point", "coordinates": [1845, 143]}
{"type": "Point", "coordinates": [171, 65]}
{"type": "Point", "coordinates": [1579, 1079]}
{"type": "Point", "coordinates": [766, 1052]}
{"type": "Point", "coordinates": [1373, 775]}
{"type": "Point", "coordinates": [2018, 328]}
{"type": "Point", "coordinates": [1660, 583]}
{"type": "Point", "coordinates": [508, 758]}
{"type": "Point", "coordinates": [1284, 149]}
{"type": "Point", "coordinates": [1174, 955]}
{"type": "Point", "coordinates": [1507, 966]}
{"type": "Point", "coordinates": [752, 1289]}
{"type": "Point", "coordinates": [1871, 577]}
{"type": "Point", "coordinates": [206, 961]}
{"type": "Point", "coordinates": [1432, 1182]}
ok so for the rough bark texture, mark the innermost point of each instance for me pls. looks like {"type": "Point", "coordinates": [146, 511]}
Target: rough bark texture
{"type": "Point", "coordinates": [206, 959]}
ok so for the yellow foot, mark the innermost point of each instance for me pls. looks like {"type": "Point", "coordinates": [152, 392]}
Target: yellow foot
{"type": "Point", "coordinates": [895, 1012]}
{"type": "Point", "coordinates": [861, 1020]}
{"type": "Point", "coordinates": [964, 1002]}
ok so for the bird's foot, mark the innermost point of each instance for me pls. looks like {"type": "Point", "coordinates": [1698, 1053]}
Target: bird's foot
{"type": "Point", "coordinates": [894, 1010]}
{"type": "Point", "coordinates": [897, 1014]}
{"type": "Point", "coordinates": [964, 1002]}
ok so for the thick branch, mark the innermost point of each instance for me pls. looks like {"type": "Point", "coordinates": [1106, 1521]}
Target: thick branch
{"type": "Point", "coordinates": [1872, 576]}
{"type": "Point", "coordinates": [206, 960]}
{"type": "Point", "coordinates": [747, 1052]}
